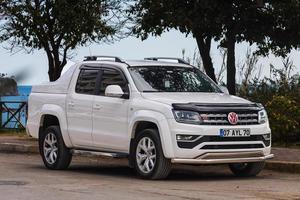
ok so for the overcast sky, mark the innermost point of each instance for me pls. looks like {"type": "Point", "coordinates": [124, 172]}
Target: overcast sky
{"type": "Point", "coordinates": [169, 44]}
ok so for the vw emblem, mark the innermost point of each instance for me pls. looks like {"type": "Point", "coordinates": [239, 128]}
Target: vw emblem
{"type": "Point", "coordinates": [233, 118]}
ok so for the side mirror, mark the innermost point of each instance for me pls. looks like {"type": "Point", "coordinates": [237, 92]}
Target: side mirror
{"type": "Point", "coordinates": [114, 91]}
{"type": "Point", "coordinates": [224, 90]}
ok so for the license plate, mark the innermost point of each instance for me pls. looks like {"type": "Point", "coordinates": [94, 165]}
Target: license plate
{"type": "Point", "coordinates": [235, 132]}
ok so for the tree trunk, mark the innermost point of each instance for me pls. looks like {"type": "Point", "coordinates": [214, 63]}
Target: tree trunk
{"type": "Point", "coordinates": [55, 66]}
{"type": "Point", "coordinates": [51, 67]}
{"type": "Point", "coordinates": [231, 69]}
{"type": "Point", "coordinates": [57, 62]}
{"type": "Point", "coordinates": [54, 70]}
{"type": "Point", "coordinates": [204, 46]}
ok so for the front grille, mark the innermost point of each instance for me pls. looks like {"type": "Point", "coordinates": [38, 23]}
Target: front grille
{"type": "Point", "coordinates": [218, 118]}
{"type": "Point", "coordinates": [233, 146]}
{"type": "Point", "coordinates": [217, 114]}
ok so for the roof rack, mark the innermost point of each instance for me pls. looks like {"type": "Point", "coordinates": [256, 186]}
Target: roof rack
{"type": "Point", "coordinates": [179, 60]}
{"type": "Point", "coordinates": [93, 58]}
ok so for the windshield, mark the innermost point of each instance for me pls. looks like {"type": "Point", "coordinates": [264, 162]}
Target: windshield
{"type": "Point", "coordinates": [171, 79]}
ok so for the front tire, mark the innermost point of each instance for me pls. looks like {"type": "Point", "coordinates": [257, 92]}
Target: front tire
{"type": "Point", "coordinates": [247, 169]}
{"type": "Point", "coordinates": [149, 160]}
{"type": "Point", "coordinates": [53, 150]}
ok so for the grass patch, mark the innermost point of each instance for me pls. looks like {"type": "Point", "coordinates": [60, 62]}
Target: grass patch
{"type": "Point", "coordinates": [13, 132]}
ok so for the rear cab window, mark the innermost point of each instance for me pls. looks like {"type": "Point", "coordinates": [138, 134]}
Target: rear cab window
{"type": "Point", "coordinates": [86, 82]}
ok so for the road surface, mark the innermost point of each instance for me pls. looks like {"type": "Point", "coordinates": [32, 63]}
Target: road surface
{"type": "Point", "coordinates": [23, 177]}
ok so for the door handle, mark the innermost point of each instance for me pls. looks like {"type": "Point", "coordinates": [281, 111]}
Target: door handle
{"type": "Point", "coordinates": [97, 107]}
{"type": "Point", "coordinates": [71, 104]}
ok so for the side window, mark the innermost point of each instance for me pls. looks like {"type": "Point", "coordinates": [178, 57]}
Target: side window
{"type": "Point", "coordinates": [112, 77]}
{"type": "Point", "coordinates": [86, 82]}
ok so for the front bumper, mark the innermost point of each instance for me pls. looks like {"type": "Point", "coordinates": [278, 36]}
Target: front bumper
{"type": "Point", "coordinates": [209, 141]}
{"type": "Point", "coordinates": [225, 158]}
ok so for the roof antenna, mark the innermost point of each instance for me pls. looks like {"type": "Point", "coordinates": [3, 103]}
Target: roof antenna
{"type": "Point", "coordinates": [90, 50]}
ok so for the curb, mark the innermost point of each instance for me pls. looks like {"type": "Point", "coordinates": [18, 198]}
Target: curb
{"type": "Point", "coordinates": [8, 147]}
{"type": "Point", "coordinates": [281, 166]}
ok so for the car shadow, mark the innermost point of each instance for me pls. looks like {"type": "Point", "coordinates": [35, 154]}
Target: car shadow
{"type": "Point", "coordinates": [120, 169]}
{"type": "Point", "coordinates": [178, 173]}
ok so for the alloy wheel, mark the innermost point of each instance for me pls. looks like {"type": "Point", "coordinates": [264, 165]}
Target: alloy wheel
{"type": "Point", "coordinates": [146, 155]}
{"type": "Point", "coordinates": [50, 148]}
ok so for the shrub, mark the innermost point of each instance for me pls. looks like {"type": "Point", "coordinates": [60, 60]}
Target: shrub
{"type": "Point", "coordinates": [284, 117]}
{"type": "Point", "coordinates": [280, 94]}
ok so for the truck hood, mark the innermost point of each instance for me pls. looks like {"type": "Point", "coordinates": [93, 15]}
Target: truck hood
{"type": "Point", "coordinates": [180, 97]}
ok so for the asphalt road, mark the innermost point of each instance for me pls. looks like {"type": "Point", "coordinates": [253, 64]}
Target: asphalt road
{"type": "Point", "coordinates": [23, 177]}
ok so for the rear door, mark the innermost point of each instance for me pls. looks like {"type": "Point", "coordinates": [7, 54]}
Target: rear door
{"type": "Point", "coordinates": [79, 107]}
{"type": "Point", "coordinates": [110, 114]}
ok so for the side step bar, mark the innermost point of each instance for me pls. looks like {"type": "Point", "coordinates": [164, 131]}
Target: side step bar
{"type": "Point", "coordinates": [98, 153]}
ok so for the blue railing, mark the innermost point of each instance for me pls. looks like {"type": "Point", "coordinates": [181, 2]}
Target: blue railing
{"type": "Point", "coordinates": [14, 109]}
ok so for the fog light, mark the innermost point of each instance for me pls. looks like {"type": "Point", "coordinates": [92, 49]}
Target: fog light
{"type": "Point", "coordinates": [267, 136]}
{"type": "Point", "coordinates": [186, 137]}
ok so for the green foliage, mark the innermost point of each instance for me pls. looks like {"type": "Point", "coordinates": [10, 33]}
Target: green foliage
{"type": "Point", "coordinates": [58, 26]}
{"type": "Point", "coordinates": [279, 83]}
{"type": "Point", "coordinates": [284, 117]}
{"type": "Point", "coordinates": [156, 16]}
{"type": "Point", "coordinates": [189, 17]}
{"type": "Point", "coordinates": [32, 23]}
{"type": "Point", "coordinates": [205, 18]}
{"type": "Point", "coordinates": [282, 31]}
{"type": "Point", "coordinates": [274, 25]}
{"type": "Point", "coordinates": [280, 95]}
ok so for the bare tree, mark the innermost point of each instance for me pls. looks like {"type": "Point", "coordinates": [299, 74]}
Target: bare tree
{"type": "Point", "coordinates": [221, 73]}
{"type": "Point", "coordinates": [196, 59]}
{"type": "Point", "coordinates": [283, 75]}
{"type": "Point", "coordinates": [248, 67]}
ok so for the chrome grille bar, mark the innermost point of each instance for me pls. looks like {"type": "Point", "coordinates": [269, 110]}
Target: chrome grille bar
{"type": "Point", "coordinates": [244, 118]}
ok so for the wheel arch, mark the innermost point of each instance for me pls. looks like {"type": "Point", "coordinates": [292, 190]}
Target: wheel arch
{"type": "Point", "coordinates": [142, 125]}
{"type": "Point", "coordinates": [54, 115]}
{"type": "Point", "coordinates": [151, 119]}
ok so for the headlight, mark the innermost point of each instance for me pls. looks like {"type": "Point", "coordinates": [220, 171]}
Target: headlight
{"type": "Point", "coordinates": [187, 117]}
{"type": "Point", "coordinates": [262, 116]}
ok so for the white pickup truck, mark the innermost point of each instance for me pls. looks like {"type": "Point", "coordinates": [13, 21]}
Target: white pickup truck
{"type": "Point", "coordinates": [155, 112]}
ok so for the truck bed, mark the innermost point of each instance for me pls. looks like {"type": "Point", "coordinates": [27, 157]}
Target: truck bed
{"type": "Point", "coordinates": [47, 98]}
{"type": "Point", "coordinates": [60, 86]}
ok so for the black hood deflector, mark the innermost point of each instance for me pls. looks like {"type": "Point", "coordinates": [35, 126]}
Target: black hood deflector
{"type": "Point", "coordinates": [217, 107]}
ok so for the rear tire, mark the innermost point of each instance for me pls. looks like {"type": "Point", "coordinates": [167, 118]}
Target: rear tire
{"type": "Point", "coordinates": [247, 169]}
{"type": "Point", "coordinates": [148, 159]}
{"type": "Point", "coordinates": [53, 150]}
